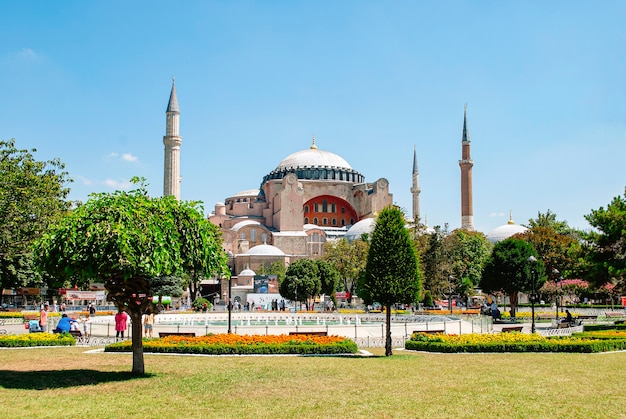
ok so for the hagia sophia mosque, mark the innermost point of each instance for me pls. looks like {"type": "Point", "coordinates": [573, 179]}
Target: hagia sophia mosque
{"type": "Point", "coordinates": [310, 197]}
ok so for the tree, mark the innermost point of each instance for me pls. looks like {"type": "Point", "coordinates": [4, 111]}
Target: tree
{"type": "Point", "coordinates": [391, 273]}
{"type": "Point", "coordinates": [32, 196]}
{"type": "Point", "coordinates": [468, 252]}
{"type": "Point", "coordinates": [548, 220]}
{"type": "Point", "coordinates": [606, 246]}
{"type": "Point", "coordinates": [329, 277]}
{"type": "Point", "coordinates": [168, 285]}
{"type": "Point", "coordinates": [434, 262]}
{"type": "Point", "coordinates": [508, 270]}
{"type": "Point", "coordinates": [275, 268]}
{"type": "Point", "coordinates": [125, 239]}
{"type": "Point", "coordinates": [349, 259]}
{"type": "Point", "coordinates": [301, 281]}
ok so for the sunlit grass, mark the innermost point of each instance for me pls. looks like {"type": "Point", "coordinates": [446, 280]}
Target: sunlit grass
{"type": "Point", "coordinates": [62, 382]}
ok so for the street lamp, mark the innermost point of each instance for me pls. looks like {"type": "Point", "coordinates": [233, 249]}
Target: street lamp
{"type": "Point", "coordinates": [557, 278]}
{"type": "Point", "coordinates": [230, 306]}
{"type": "Point", "coordinates": [533, 260]}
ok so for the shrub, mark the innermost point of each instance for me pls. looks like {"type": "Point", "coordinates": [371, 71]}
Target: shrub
{"type": "Point", "coordinates": [232, 344]}
{"type": "Point", "coordinates": [37, 339]}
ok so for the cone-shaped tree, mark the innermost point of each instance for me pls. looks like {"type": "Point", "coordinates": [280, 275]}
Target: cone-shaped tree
{"type": "Point", "coordinates": [391, 273]}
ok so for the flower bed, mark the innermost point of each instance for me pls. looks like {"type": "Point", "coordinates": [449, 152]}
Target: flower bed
{"type": "Point", "coordinates": [512, 342]}
{"type": "Point", "coordinates": [232, 344]}
{"type": "Point", "coordinates": [36, 339]}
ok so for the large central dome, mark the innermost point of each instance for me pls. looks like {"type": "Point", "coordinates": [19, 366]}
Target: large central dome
{"type": "Point", "coordinates": [313, 157]}
{"type": "Point", "coordinates": [315, 164]}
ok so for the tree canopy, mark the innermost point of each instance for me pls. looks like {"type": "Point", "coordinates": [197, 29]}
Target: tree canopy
{"type": "Point", "coordinates": [508, 270]}
{"type": "Point", "coordinates": [32, 196]}
{"type": "Point", "coordinates": [606, 245]}
{"type": "Point", "coordinates": [125, 239]}
{"type": "Point", "coordinates": [391, 273]}
{"type": "Point", "coordinates": [301, 281]}
{"type": "Point", "coordinates": [349, 259]}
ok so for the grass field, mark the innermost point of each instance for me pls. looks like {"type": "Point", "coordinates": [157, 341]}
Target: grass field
{"type": "Point", "coordinates": [68, 382]}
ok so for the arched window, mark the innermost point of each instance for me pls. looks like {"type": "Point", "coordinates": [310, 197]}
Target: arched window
{"type": "Point", "coordinates": [324, 205]}
{"type": "Point", "coordinates": [306, 209]}
{"type": "Point", "coordinates": [253, 235]}
{"type": "Point", "coordinates": [325, 221]}
{"type": "Point", "coordinates": [315, 221]}
{"type": "Point", "coordinates": [334, 221]}
{"type": "Point", "coordinates": [306, 220]}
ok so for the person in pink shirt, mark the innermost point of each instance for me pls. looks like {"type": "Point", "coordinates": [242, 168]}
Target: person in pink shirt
{"type": "Point", "coordinates": [120, 324]}
{"type": "Point", "coordinates": [43, 317]}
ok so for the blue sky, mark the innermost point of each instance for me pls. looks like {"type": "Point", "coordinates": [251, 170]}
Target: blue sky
{"type": "Point", "coordinates": [544, 82]}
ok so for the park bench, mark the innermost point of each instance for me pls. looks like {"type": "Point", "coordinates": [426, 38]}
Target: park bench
{"type": "Point", "coordinates": [310, 333]}
{"type": "Point", "coordinates": [614, 314]}
{"type": "Point", "coordinates": [545, 316]}
{"type": "Point", "coordinates": [508, 329]}
{"type": "Point", "coordinates": [28, 317]}
{"type": "Point", "coordinates": [186, 334]}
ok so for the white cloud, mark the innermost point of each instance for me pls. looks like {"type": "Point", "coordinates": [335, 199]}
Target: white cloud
{"type": "Point", "coordinates": [497, 214]}
{"type": "Point", "coordinates": [129, 157]}
{"type": "Point", "coordinates": [27, 54]}
{"type": "Point", "coordinates": [118, 184]}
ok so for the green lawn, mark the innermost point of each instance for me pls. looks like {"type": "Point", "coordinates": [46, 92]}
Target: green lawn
{"type": "Point", "coordinates": [66, 382]}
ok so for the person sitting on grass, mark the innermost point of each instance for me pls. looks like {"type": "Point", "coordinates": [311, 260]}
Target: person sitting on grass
{"type": "Point", "coordinates": [64, 325]}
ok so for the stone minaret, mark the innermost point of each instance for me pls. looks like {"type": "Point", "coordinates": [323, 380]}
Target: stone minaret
{"type": "Point", "coordinates": [466, 163]}
{"type": "Point", "coordinates": [415, 191]}
{"type": "Point", "coordinates": [172, 141]}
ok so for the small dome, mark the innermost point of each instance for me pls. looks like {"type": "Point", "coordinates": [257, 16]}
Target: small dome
{"type": "Point", "coordinates": [265, 250]}
{"type": "Point", "coordinates": [246, 193]}
{"type": "Point", "coordinates": [364, 226]}
{"type": "Point", "coordinates": [505, 231]}
{"type": "Point", "coordinates": [247, 272]}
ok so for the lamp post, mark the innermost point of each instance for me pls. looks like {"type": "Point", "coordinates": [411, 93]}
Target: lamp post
{"type": "Point", "coordinates": [556, 274]}
{"type": "Point", "coordinates": [230, 306]}
{"type": "Point", "coordinates": [533, 273]}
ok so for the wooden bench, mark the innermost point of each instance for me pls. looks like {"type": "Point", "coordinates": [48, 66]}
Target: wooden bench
{"type": "Point", "coordinates": [545, 316]}
{"type": "Point", "coordinates": [310, 333]}
{"type": "Point", "coordinates": [508, 329]}
{"type": "Point", "coordinates": [587, 317]}
{"type": "Point", "coordinates": [28, 317]}
{"type": "Point", "coordinates": [187, 334]}
{"type": "Point", "coordinates": [614, 314]}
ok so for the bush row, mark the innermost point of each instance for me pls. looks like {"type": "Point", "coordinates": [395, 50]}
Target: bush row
{"type": "Point", "coordinates": [515, 342]}
{"type": "Point", "coordinates": [246, 345]}
{"type": "Point", "coordinates": [36, 339]}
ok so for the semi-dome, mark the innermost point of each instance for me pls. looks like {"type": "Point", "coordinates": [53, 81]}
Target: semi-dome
{"type": "Point", "coordinates": [315, 164]}
{"type": "Point", "coordinates": [365, 226]}
{"type": "Point", "coordinates": [264, 250]}
{"type": "Point", "coordinates": [505, 231]}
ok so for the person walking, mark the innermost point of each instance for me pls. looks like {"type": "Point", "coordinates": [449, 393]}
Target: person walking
{"type": "Point", "coordinates": [43, 317]}
{"type": "Point", "coordinates": [120, 324]}
{"type": "Point", "coordinates": [148, 323]}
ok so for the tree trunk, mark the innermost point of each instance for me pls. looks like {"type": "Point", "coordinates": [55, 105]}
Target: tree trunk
{"type": "Point", "coordinates": [388, 351]}
{"type": "Point", "coordinates": [138, 365]}
{"type": "Point", "coordinates": [513, 300]}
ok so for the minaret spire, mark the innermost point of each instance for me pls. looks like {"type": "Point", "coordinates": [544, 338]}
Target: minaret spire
{"type": "Point", "coordinates": [466, 163]}
{"type": "Point", "coordinates": [172, 141]}
{"type": "Point", "coordinates": [415, 190]}
{"type": "Point", "coordinates": [313, 146]}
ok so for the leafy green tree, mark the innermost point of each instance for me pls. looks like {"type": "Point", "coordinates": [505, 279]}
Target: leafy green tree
{"type": "Point", "coordinates": [556, 250]}
{"type": "Point", "coordinates": [606, 245]}
{"type": "Point", "coordinates": [349, 258]}
{"type": "Point", "coordinates": [548, 220]}
{"type": "Point", "coordinates": [169, 285]}
{"type": "Point", "coordinates": [467, 252]}
{"type": "Point", "coordinates": [275, 268]}
{"type": "Point", "coordinates": [433, 265]}
{"type": "Point", "coordinates": [391, 274]}
{"type": "Point", "coordinates": [329, 277]}
{"type": "Point", "coordinates": [508, 270]}
{"type": "Point", "coordinates": [125, 239]}
{"type": "Point", "coordinates": [301, 281]}
{"type": "Point", "coordinates": [32, 196]}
